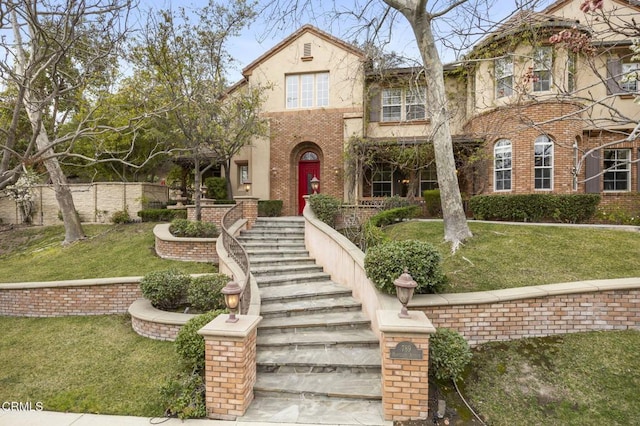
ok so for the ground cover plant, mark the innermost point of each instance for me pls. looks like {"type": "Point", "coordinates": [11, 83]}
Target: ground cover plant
{"type": "Point", "coordinates": [95, 364]}
{"type": "Point", "coordinates": [36, 254]}
{"type": "Point", "coordinates": [504, 256]}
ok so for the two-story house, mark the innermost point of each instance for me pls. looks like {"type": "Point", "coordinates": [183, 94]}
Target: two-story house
{"type": "Point", "coordinates": [528, 113]}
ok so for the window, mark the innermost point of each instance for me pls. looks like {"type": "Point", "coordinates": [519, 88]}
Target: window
{"type": "Point", "coordinates": [542, 62]}
{"type": "Point", "coordinates": [404, 104]}
{"type": "Point", "coordinates": [381, 181]}
{"type": "Point", "coordinates": [307, 90]}
{"type": "Point", "coordinates": [428, 178]}
{"type": "Point", "coordinates": [630, 75]}
{"type": "Point", "coordinates": [243, 173]}
{"type": "Point", "coordinates": [502, 165]}
{"type": "Point", "coordinates": [617, 169]}
{"type": "Point", "coordinates": [572, 61]}
{"type": "Point", "coordinates": [504, 76]}
{"type": "Point", "coordinates": [543, 163]}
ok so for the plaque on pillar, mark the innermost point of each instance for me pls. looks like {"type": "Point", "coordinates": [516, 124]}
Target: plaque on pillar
{"type": "Point", "coordinates": [406, 350]}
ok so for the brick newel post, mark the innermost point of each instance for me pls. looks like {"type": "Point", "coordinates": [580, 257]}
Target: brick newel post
{"type": "Point", "coordinates": [230, 365]}
{"type": "Point", "coordinates": [404, 343]}
{"type": "Point", "coordinates": [249, 208]}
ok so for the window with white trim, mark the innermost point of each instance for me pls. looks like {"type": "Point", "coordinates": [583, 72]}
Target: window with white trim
{"type": "Point", "coordinates": [307, 90]}
{"type": "Point", "coordinates": [542, 63]}
{"type": "Point", "coordinates": [543, 162]}
{"type": "Point", "coordinates": [504, 76]}
{"type": "Point", "coordinates": [428, 178]}
{"type": "Point", "coordinates": [617, 169]}
{"type": "Point", "coordinates": [502, 165]}
{"type": "Point", "coordinates": [630, 76]}
{"type": "Point", "coordinates": [404, 104]}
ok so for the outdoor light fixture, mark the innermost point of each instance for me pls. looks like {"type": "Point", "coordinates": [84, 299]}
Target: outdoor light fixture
{"type": "Point", "coordinates": [274, 171]}
{"type": "Point", "coordinates": [404, 290]}
{"type": "Point", "coordinates": [315, 184]}
{"type": "Point", "coordinates": [232, 292]}
{"type": "Point", "coordinates": [336, 170]}
{"type": "Point", "coordinates": [247, 185]}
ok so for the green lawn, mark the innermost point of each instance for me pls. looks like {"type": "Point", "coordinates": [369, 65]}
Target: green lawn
{"type": "Point", "coordinates": [503, 256]}
{"type": "Point", "coordinates": [84, 364]}
{"type": "Point", "coordinates": [36, 254]}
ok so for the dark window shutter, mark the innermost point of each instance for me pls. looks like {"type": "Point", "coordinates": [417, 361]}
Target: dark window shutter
{"type": "Point", "coordinates": [614, 73]}
{"type": "Point", "coordinates": [375, 105]}
{"type": "Point", "coordinates": [593, 164]}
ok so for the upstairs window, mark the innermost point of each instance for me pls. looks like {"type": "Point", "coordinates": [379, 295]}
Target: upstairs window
{"type": "Point", "coordinates": [504, 76]}
{"type": "Point", "coordinates": [502, 165]}
{"type": "Point", "coordinates": [542, 63]}
{"type": "Point", "coordinates": [307, 90]}
{"type": "Point", "coordinates": [630, 76]}
{"type": "Point", "coordinates": [572, 61]}
{"type": "Point", "coordinates": [404, 104]}
{"type": "Point", "coordinates": [543, 163]}
{"type": "Point", "coordinates": [617, 169]}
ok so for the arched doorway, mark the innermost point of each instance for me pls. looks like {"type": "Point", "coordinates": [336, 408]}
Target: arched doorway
{"type": "Point", "coordinates": [308, 167]}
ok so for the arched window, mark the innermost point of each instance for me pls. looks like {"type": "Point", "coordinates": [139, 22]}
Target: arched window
{"type": "Point", "coordinates": [543, 162]}
{"type": "Point", "coordinates": [309, 156]}
{"type": "Point", "coordinates": [502, 165]}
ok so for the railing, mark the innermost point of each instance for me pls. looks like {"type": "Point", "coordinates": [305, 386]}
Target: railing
{"type": "Point", "coordinates": [237, 252]}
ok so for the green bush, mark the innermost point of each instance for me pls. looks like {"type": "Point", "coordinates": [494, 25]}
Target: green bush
{"type": "Point", "coordinates": [394, 202]}
{"type": "Point", "coordinates": [385, 262]}
{"type": "Point", "coordinates": [193, 229]}
{"type": "Point", "coordinates": [189, 344]}
{"type": "Point", "coordinates": [121, 216]}
{"type": "Point", "coordinates": [389, 217]}
{"type": "Point", "coordinates": [224, 201]}
{"type": "Point", "coordinates": [567, 208]}
{"type": "Point", "coordinates": [269, 208]}
{"type": "Point", "coordinates": [165, 289]}
{"type": "Point", "coordinates": [184, 396]}
{"type": "Point", "coordinates": [432, 202]}
{"type": "Point", "coordinates": [216, 188]}
{"type": "Point", "coordinates": [204, 292]}
{"type": "Point", "coordinates": [325, 207]}
{"type": "Point", "coordinates": [449, 354]}
{"type": "Point", "coordinates": [161, 215]}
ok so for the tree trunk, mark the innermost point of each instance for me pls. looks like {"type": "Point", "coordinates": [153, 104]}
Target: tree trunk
{"type": "Point", "coordinates": [456, 229]}
{"type": "Point", "coordinates": [227, 170]}
{"type": "Point", "coordinates": [197, 183]}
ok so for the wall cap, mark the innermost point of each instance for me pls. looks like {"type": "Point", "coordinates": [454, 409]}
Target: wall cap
{"type": "Point", "coordinates": [418, 323]}
{"type": "Point", "coordinates": [142, 309]}
{"type": "Point", "coordinates": [220, 328]}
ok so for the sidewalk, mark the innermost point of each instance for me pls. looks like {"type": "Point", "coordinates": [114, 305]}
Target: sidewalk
{"type": "Point", "coordinates": [51, 418]}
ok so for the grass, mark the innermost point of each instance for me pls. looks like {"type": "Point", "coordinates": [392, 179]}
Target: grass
{"type": "Point", "coordinates": [36, 254]}
{"type": "Point", "coordinates": [504, 256]}
{"type": "Point", "coordinates": [84, 364]}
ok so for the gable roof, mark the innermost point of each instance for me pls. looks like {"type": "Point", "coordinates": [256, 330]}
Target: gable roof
{"type": "Point", "coordinates": [561, 3]}
{"type": "Point", "coordinates": [301, 31]}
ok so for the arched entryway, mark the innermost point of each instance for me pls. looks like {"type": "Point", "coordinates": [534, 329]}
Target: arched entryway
{"type": "Point", "coordinates": [308, 168]}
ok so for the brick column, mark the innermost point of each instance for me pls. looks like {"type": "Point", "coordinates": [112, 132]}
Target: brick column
{"type": "Point", "coordinates": [230, 365]}
{"type": "Point", "coordinates": [249, 208]}
{"type": "Point", "coordinates": [404, 343]}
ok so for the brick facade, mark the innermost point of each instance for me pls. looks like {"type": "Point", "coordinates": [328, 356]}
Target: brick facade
{"type": "Point", "coordinates": [155, 330]}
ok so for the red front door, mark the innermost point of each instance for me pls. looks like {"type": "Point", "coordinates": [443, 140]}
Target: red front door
{"type": "Point", "coordinates": [306, 171]}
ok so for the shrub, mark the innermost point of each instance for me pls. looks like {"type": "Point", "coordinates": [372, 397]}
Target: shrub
{"type": "Point", "coordinates": [385, 262]}
{"type": "Point", "coordinates": [193, 229]}
{"type": "Point", "coordinates": [388, 217]}
{"type": "Point", "coordinates": [204, 292]}
{"type": "Point", "coordinates": [269, 208]}
{"type": "Point", "coordinates": [395, 202]}
{"type": "Point", "coordinates": [165, 289]}
{"type": "Point", "coordinates": [432, 202]}
{"type": "Point", "coordinates": [223, 201]}
{"type": "Point", "coordinates": [572, 208]}
{"type": "Point", "coordinates": [325, 207]}
{"type": "Point", "coordinates": [184, 396]}
{"type": "Point", "coordinates": [216, 188]}
{"type": "Point", "coordinates": [449, 354]}
{"type": "Point", "coordinates": [189, 344]}
{"type": "Point", "coordinates": [161, 215]}
{"type": "Point", "coordinates": [121, 216]}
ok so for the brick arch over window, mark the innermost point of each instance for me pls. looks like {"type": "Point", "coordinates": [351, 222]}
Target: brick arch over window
{"type": "Point", "coordinates": [306, 160]}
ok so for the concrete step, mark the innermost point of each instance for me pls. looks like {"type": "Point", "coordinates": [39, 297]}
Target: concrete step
{"type": "Point", "coordinates": [327, 321]}
{"type": "Point", "coordinates": [284, 269]}
{"type": "Point", "coordinates": [273, 245]}
{"type": "Point", "coordinates": [294, 278]}
{"type": "Point", "coordinates": [285, 238]}
{"type": "Point", "coordinates": [305, 307]}
{"type": "Point", "coordinates": [273, 261]}
{"type": "Point", "coordinates": [320, 338]}
{"type": "Point", "coordinates": [319, 359]}
{"type": "Point", "coordinates": [295, 292]}
{"type": "Point", "coordinates": [364, 386]}
{"type": "Point", "coordinates": [256, 254]}
{"type": "Point", "coordinates": [287, 409]}
{"type": "Point", "coordinates": [273, 232]}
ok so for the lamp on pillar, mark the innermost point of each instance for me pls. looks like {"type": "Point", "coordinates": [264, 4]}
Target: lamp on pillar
{"type": "Point", "coordinates": [247, 186]}
{"type": "Point", "coordinates": [315, 184]}
{"type": "Point", "coordinates": [405, 285]}
{"type": "Point", "coordinates": [232, 292]}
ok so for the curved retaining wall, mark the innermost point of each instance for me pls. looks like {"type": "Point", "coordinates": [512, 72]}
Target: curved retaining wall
{"type": "Point", "coordinates": [150, 322]}
{"type": "Point", "coordinates": [487, 316]}
{"type": "Point", "coordinates": [98, 296]}
{"type": "Point", "coordinates": [184, 249]}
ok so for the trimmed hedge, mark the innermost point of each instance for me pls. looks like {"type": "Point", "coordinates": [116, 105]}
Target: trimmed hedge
{"type": "Point", "coordinates": [269, 208]}
{"type": "Point", "coordinates": [449, 354]}
{"type": "Point", "coordinates": [325, 207]}
{"type": "Point", "coordinates": [193, 229]}
{"type": "Point", "coordinates": [216, 187]}
{"type": "Point", "coordinates": [165, 289]}
{"type": "Point", "coordinates": [432, 202]}
{"type": "Point", "coordinates": [204, 292]}
{"type": "Point", "coordinates": [565, 208]}
{"type": "Point", "coordinates": [189, 344]}
{"type": "Point", "coordinates": [161, 215]}
{"type": "Point", "coordinates": [389, 217]}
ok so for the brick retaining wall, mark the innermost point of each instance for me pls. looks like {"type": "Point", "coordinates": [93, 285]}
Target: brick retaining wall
{"type": "Point", "coordinates": [184, 249]}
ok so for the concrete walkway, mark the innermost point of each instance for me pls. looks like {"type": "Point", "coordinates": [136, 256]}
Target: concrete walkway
{"type": "Point", "coordinates": [52, 418]}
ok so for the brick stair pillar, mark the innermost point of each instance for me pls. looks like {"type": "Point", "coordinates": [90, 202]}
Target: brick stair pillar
{"type": "Point", "coordinates": [404, 343]}
{"type": "Point", "coordinates": [230, 365]}
{"type": "Point", "coordinates": [249, 208]}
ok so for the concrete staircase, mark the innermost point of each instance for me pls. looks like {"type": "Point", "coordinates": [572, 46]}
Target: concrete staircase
{"type": "Point", "coordinates": [318, 360]}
